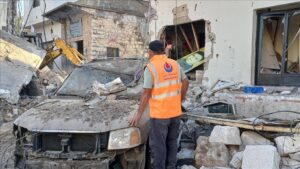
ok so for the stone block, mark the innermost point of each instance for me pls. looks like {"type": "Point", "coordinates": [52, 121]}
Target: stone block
{"type": "Point", "coordinates": [236, 161]}
{"type": "Point", "coordinates": [295, 156]}
{"type": "Point", "coordinates": [288, 144]}
{"type": "Point", "coordinates": [225, 134]}
{"type": "Point", "coordinates": [288, 163]}
{"type": "Point", "coordinates": [252, 138]}
{"type": "Point", "coordinates": [211, 154]}
{"type": "Point", "coordinates": [260, 157]}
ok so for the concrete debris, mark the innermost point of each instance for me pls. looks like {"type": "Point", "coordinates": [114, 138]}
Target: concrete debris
{"type": "Point", "coordinates": [211, 154]}
{"type": "Point", "coordinates": [252, 138]}
{"type": "Point", "coordinates": [14, 76]}
{"type": "Point", "coordinates": [260, 156]}
{"type": "Point", "coordinates": [236, 161]}
{"type": "Point", "coordinates": [287, 163]}
{"type": "Point", "coordinates": [19, 61]}
{"type": "Point", "coordinates": [7, 147]}
{"type": "Point", "coordinates": [288, 144]}
{"type": "Point", "coordinates": [111, 87]}
{"type": "Point", "coordinates": [233, 149]}
{"type": "Point", "coordinates": [188, 167]}
{"type": "Point", "coordinates": [185, 154]}
{"type": "Point", "coordinates": [225, 134]}
{"type": "Point", "coordinates": [295, 156]}
{"type": "Point", "coordinates": [223, 84]}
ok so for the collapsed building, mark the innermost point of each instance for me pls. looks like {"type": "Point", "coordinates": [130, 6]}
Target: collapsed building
{"type": "Point", "coordinates": [250, 79]}
{"type": "Point", "coordinates": [101, 30]}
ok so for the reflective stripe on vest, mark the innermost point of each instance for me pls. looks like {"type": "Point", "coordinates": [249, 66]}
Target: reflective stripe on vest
{"type": "Point", "coordinates": [166, 95]}
{"type": "Point", "coordinates": [157, 84]}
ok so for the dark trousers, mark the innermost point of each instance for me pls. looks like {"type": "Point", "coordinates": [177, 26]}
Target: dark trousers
{"type": "Point", "coordinates": [163, 142]}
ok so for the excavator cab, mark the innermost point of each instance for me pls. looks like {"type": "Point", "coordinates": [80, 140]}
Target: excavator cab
{"type": "Point", "coordinates": [62, 48]}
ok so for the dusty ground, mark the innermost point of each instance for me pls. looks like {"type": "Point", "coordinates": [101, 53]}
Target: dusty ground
{"type": "Point", "coordinates": [8, 113]}
{"type": "Point", "coordinates": [7, 142]}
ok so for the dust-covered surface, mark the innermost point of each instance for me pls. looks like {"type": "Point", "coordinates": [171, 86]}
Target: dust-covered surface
{"type": "Point", "coordinates": [19, 60]}
{"type": "Point", "coordinates": [81, 80]}
{"type": "Point", "coordinates": [7, 146]}
{"type": "Point", "coordinates": [9, 112]}
{"type": "Point", "coordinates": [63, 115]}
{"type": "Point", "coordinates": [14, 76]}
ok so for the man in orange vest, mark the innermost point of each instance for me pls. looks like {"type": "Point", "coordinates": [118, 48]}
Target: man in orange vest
{"type": "Point", "coordinates": [165, 87]}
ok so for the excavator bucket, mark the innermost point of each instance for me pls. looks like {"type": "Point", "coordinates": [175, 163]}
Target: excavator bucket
{"type": "Point", "coordinates": [62, 48]}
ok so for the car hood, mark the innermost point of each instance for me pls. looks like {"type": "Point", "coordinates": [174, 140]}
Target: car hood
{"type": "Point", "coordinates": [78, 116]}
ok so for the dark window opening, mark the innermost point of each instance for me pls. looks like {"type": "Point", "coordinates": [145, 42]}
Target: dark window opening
{"type": "Point", "coordinates": [278, 50]}
{"type": "Point", "coordinates": [80, 46]}
{"type": "Point", "coordinates": [188, 42]}
{"type": "Point", "coordinates": [112, 52]}
{"type": "Point", "coordinates": [36, 3]}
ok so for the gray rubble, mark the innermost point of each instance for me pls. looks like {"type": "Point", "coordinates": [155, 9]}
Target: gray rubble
{"type": "Point", "coordinates": [260, 156]}
{"type": "Point", "coordinates": [226, 135]}
{"type": "Point", "coordinates": [236, 161]}
{"type": "Point", "coordinates": [19, 61]}
{"type": "Point", "coordinates": [288, 144]}
{"type": "Point", "coordinates": [252, 138]}
{"type": "Point", "coordinates": [288, 163]}
{"type": "Point", "coordinates": [211, 154]}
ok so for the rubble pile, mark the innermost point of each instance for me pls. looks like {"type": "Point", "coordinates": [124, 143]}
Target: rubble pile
{"type": "Point", "coordinates": [226, 147]}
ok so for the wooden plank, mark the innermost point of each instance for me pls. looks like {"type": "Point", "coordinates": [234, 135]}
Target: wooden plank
{"type": "Point", "coordinates": [243, 124]}
{"type": "Point", "coordinates": [195, 36]}
{"type": "Point", "coordinates": [186, 38]}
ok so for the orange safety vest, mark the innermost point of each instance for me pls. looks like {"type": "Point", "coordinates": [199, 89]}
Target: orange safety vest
{"type": "Point", "coordinates": [165, 101]}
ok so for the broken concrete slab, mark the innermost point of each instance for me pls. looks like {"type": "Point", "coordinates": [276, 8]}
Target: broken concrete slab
{"type": "Point", "coordinates": [252, 138]}
{"type": "Point", "coordinates": [260, 156]}
{"type": "Point", "coordinates": [236, 161]}
{"type": "Point", "coordinates": [287, 163]}
{"type": "Point", "coordinates": [109, 88]}
{"type": "Point", "coordinates": [19, 60]}
{"type": "Point", "coordinates": [288, 144]}
{"type": "Point", "coordinates": [295, 156]}
{"type": "Point", "coordinates": [254, 105]}
{"type": "Point", "coordinates": [13, 78]}
{"type": "Point", "coordinates": [225, 134]}
{"type": "Point", "coordinates": [211, 154]}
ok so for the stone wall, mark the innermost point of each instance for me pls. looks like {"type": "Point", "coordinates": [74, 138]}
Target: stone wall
{"type": "Point", "coordinates": [125, 32]}
{"type": "Point", "coordinates": [102, 29]}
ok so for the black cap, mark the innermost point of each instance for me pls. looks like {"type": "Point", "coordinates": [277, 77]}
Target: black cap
{"type": "Point", "coordinates": [156, 46]}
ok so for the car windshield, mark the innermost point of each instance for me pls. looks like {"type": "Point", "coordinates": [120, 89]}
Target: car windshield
{"type": "Point", "coordinates": [80, 81]}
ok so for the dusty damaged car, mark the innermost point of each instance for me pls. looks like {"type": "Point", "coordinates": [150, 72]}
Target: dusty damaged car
{"type": "Point", "coordinates": [75, 130]}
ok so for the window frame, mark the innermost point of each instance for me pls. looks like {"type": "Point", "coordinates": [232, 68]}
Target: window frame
{"type": "Point", "coordinates": [284, 78]}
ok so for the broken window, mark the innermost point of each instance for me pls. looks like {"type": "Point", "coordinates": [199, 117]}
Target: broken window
{"type": "Point", "coordinates": [293, 64]}
{"type": "Point", "coordinates": [187, 43]}
{"type": "Point", "coordinates": [278, 48]}
{"type": "Point", "coordinates": [112, 52]}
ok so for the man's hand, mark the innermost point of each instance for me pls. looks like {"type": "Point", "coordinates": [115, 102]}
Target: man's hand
{"type": "Point", "coordinates": [135, 120]}
{"type": "Point", "coordinates": [143, 103]}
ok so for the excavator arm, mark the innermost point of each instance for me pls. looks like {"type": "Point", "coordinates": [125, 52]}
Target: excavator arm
{"type": "Point", "coordinates": [62, 48]}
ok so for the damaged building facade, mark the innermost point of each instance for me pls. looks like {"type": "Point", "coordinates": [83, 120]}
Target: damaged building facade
{"type": "Point", "coordinates": [254, 42]}
{"type": "Point", "coordinates": [101, 30]}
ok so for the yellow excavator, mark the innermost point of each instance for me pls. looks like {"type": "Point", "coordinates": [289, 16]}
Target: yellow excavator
{"type": "Point", "coordinates": [62, 48]}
